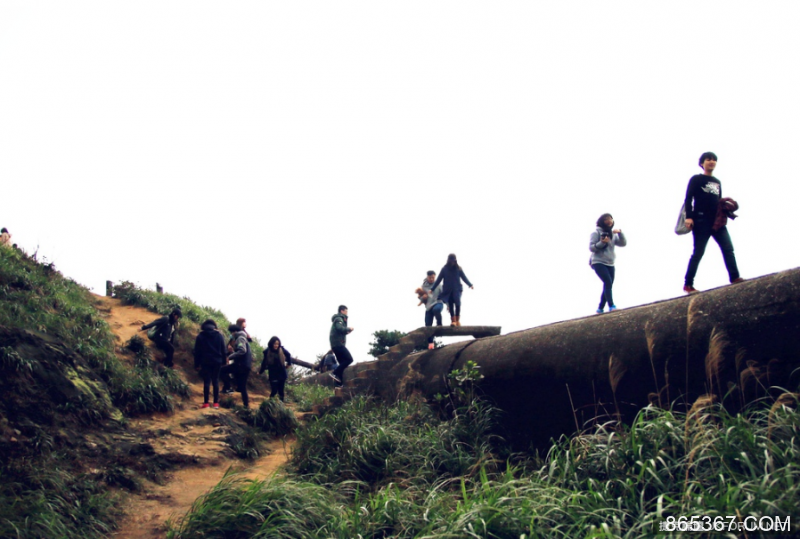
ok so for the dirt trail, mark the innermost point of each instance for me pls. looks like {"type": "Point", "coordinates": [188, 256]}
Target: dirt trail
{"type": "Point", "coordinates": [190, 435]}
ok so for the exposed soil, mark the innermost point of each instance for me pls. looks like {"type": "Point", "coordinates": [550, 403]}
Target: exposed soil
{"type": "Point", "coordinates": [191, 436]}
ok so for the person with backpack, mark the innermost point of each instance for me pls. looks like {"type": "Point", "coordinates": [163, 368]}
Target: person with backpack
{"type": "Point", "coordinates": [433, 305]}
{"type": "Point", "coordinates": [328, 362]}
{"type": "Point", "coordinates": [601, 243]}
{"type": "Point", "coordinates": [209, 356]}
{"type": "Point", "coordinates": [452, 274]}
{"type": "Point", "coordinates": [162, 332]}
{"type": "Point", "coordinates": [706, 217]}
{"type": "Point", "coordinates": [338, 339]}
{"type": "Point", "coordinates": [240, 362]}
{"type": "Point", "coordinates": [276, 359]}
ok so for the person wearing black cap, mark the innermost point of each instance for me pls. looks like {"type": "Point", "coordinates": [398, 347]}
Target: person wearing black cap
{"type": "Point", "coordinates": [162, 333]}
{"type": "Point", "coordinates": [702, 204]}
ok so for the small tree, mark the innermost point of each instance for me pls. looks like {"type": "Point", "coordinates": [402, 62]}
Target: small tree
{"type": "Point", "coordinates": [384, 339]}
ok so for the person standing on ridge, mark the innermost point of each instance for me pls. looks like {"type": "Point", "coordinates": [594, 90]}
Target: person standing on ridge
{"type": "Point", "coordinates": [163, 334]}
{"type": "Point", "coordinates": [209, 356]}
{"type": "Point", "coordinates": [601, 244]}
{"type": "Point", "coordinates": [706, 218]}
{"type": "Point", "coordinates": [276, 358]}
{"type": "Point", "coordinates": [433, 305]}
{"type": "Point", "coordinates": [241, 361]}
{"type": "Point", "coordinates": [338, 339]}
{"type": "Point", "coordinates": [452, 274]}
{"type": "Point", "coordinates": [5, 238]}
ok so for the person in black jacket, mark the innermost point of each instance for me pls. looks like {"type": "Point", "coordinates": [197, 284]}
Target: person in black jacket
{"type": "Point", "coordinates": [452, 274]}
{"type": "Point", "coordinates": [164, 334]}
{"type": "Point", "coordinates": [276, 359]}
{"type": "Point", "coordinates": [209, 356]}
{"type": "Point", "coordinates": [240, 361]}
{"type": "Point", "coordinates": [702, 202]}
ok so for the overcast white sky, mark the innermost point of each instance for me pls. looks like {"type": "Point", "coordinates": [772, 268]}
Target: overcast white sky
{"type": "Point", "coordinates": [276, 159]}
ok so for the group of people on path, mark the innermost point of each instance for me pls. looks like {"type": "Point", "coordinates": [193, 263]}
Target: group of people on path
{"type": "Point", "coordinates": [706, 215]}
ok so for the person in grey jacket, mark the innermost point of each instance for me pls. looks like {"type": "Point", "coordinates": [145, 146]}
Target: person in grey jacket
{"type": "Point", "coordinates": [433, 305]}
{"type": "Point", "coordinates": [241, 361]}
{"type": "Point", "coordinates": [601, 243]}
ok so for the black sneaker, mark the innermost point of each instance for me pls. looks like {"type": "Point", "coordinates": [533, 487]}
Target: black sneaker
{"type": "Point", "coordinates": [227, 391]}
{"type": "Point", "coordinates": [335, 379]}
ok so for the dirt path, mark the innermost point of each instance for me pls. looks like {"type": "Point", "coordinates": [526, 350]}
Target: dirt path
{"type": "Point", "coordinates": [190, 435]}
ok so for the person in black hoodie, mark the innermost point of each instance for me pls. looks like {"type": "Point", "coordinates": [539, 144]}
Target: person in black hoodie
{"type": "Point", "coordinates": [241, 361]}
{"type": "Point", "coordinates": [163, 335]}
{"type": "Point", "coordinates": [276, 359]}
{"type": "Point", "coordinates": [702, 203]}
{"type": "Point", "coordinates": [209, 356]}
{"type": "Point", "coordinates": [452, 274]}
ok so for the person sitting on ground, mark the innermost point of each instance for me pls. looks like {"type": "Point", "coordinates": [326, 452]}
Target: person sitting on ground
{"type": "Point", "coordinates": [338, 339]}
{"type": "Point", "coordinates": [328, 362]}
{"type": "Point", "coordinates": [240, 362]}
{"type": "Point", "coordinates": [451, 291]}
{"type": "Point", "coordinates": [276, 359]}
{"type": "Point", "coordinates": [163, 334]}
{"type": "Point", "coordinates": [209, 356]}
{"type": "Point", "coordinates": [433, 305]}
{"type": "Point", "coordinates": [5, 238]}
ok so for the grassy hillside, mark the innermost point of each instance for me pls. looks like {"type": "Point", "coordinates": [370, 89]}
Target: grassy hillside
{"type": "Point", "coordinates": [368, 470]}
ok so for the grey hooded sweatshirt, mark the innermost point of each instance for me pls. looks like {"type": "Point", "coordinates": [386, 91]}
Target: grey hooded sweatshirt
{"type": "Point", "coordinates": [603, 253]}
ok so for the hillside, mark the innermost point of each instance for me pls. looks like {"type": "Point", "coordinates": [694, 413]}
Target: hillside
{"type": "Point", "coordinates": [91, 431]}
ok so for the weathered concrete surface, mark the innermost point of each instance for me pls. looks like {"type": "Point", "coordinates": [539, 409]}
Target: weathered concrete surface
{"type": "Point", "coordinates": [550, 380]}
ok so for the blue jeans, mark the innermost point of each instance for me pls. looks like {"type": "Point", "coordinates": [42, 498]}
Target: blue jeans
{"type": "Point", "coordinates": [435, 311]}
{"type": "Point", "coordinates": [701, 233]}
{"type": "Point", "coordinates": [606, 274]}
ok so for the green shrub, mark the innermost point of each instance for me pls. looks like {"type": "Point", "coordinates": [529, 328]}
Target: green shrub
{"type": "Point", "coordinates": [306, 396]}
{"type": "Point", "coordinates": [274, 418]}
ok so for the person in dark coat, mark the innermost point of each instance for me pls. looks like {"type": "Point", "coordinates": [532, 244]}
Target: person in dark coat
{"type": "Point", "coordinates": [209, 356]}
{"type": "Point", "coordinates": [276, 359]}
{"type": "Point", "coordinates": [452, 275]}
{"type": "Point", "coordinates": [702, 205]}
{"type": "Point", "coordinates": [240, 362]}
{"type": "Point", "coordinates": [338, 339]}
{"type": "Point", "coordinates": [164, 336]}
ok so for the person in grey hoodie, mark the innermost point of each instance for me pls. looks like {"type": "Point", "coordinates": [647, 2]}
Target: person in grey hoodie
{"type": "Point", "coordinates": [241, 361]}
{"type": "Point", "coordinates": [601, 243]}
{"type": "Point", "coordinates": [433, 305]}
{"type": "Point", "coordinates": [209, 355]}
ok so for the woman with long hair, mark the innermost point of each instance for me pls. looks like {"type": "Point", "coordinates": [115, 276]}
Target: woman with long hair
{"type": "Point", "coordinates": [601, 243]}
{"type": "Point", "coordinates": [276, 358]}
{"type": "Point", "coordinates": [452, 275]}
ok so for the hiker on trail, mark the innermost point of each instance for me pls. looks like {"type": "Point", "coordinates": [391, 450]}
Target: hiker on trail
{"type": "Point", "coordinates": [452, 274]}
{"type": "Point", "coordinates": [5, 238]}
{"type": "Point", "coordinates": [242, 323]}
{"type": "Point", "coordinates": [240, 362]}
{"type": "Point", "coordinates": [276, 359]}
{"type": "Point", "coordinates": [706, 216]}
{"type": "Point", "coordinates": [328, 362]}
{"type": "Point", "coordinates": [601, 243]}
{"type": "Point", "coordinates": [338, 339]}
{"type": "Point", "coordinates": [433, 305]}
{"type": "Point", "coordinates": [162, 333]}
{"type": "Point", "coordinates": [209, 357]}
{"type": "Point", "coordinates": [227, 378]}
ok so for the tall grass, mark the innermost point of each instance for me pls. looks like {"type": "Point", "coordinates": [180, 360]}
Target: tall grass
{"type": "Point", "coordinates": [306, 396]}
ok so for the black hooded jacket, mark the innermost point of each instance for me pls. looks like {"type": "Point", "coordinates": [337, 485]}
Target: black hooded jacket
{"type": "Point", "coordinates": [209, 347]}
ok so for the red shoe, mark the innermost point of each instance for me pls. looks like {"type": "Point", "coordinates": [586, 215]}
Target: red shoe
{"type": "Point", "coordinates": [689, 289]}
{"type": "Point", "coordinates": [205, 405]}
{"type": "Point", "coordinates": [737, 280]}
{"type": "Point", "coordinates": [216, 405]}
{"type": "Point", "coordinates": [431, 346]}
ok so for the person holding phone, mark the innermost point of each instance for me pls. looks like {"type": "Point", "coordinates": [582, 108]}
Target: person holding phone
{"type": "Point", "coordinates": [601, 243]}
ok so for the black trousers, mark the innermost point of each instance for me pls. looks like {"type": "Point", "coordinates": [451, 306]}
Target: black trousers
{"type": "Point", "coordinates": [210, 379]}
{"type": "Point", "coordinates": [434, 312]}
{"type": "Point", "coordinates": [344, 358]}
{"type": "Point", "coordinates": [701, 233]}
{"type": "Point", "coordinates": [240, 375]}
{"type": "Point", "coordinates": [276, 388]}
{"type": "Point", "coordinates": [165, 346]}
